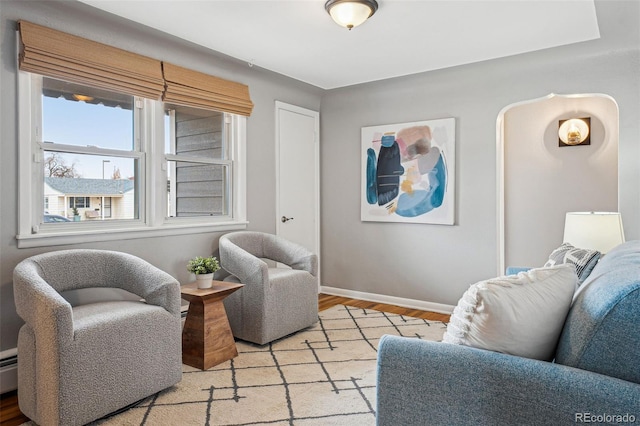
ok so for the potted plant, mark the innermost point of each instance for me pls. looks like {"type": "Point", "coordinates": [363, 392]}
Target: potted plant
{"type": "Point", "coordinates": [203, 268]}
{"type": "Point", "coordinates": [76, 215]}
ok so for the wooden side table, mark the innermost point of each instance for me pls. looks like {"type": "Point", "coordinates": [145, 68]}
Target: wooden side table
{"type": "Point", "coordinates": [206, 337]}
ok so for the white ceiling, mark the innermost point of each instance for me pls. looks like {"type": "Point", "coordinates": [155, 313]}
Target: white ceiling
{"type": "Point", "coordinates": [297, 38]}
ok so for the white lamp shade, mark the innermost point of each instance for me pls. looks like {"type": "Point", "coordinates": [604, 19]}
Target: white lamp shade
{"type": "Point", "coordinates": [350, 14]}
{"type": "Point", "coordinates": [600, 231]}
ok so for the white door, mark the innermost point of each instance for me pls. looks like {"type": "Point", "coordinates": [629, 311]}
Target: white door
{"type": "Point", "coordinates": [298, 175]}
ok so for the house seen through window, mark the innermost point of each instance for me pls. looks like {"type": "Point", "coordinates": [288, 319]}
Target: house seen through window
{"type": "Point", "coordinates": [91, 156]}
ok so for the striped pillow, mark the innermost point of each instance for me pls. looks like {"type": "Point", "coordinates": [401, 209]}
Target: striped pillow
{"type": "Point", "coordinates": [584, 260]}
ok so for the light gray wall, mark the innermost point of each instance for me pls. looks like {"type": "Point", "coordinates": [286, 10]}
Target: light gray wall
{"type": "Point", "coordinates": [544, 180]}
{"type": "Point", "coordinates": [424, 262]}
{"type": "Point", "coordinates": [437, 263]}
{"type": "Point", "coordinates": [168, 253]}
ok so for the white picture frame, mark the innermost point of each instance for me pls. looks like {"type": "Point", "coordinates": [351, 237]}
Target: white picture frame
{"type": "Point", "coordinates": [408, 172]}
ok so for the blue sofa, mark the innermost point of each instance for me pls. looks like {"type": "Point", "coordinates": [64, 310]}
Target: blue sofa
{"type": "Point", "coordinates": [595, 377]}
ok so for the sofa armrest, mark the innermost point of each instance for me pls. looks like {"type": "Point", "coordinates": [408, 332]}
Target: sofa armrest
{"type": "Point", "coordinates": [422, 382]}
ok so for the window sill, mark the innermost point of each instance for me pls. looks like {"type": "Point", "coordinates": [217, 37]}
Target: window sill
{"type": "Point", "coordinates": [95, 235]}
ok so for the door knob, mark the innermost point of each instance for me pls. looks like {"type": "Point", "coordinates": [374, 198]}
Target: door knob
{"type": "Point", "coordinates": [285, 219]}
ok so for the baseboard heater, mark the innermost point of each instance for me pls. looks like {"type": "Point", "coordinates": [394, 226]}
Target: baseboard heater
{"type": "Point", "coordinates": [8, 370]}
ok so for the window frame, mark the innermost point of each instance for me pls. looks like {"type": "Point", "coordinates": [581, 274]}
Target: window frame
{"type": "Point", "coordinates": [225, 161]}
{"type": "Point", "coordinates": [153, 220]}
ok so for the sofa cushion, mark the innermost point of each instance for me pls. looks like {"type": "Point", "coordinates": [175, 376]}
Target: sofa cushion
{"type": "Point", "coordinates": [584, 260]}
{"type": "Point", "coordinates": [518, 314]}
{"type": "Point", "coordinates": [602, 331]}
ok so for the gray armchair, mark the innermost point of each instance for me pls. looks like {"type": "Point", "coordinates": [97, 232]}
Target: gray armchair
{"type": "Point", "coordinates": [274, 302]}
{"type": "Point", "coordinates": [79, 363]}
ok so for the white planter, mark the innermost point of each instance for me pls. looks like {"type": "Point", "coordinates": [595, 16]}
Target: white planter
{"type": "Point", "coordinates": [204, 280]}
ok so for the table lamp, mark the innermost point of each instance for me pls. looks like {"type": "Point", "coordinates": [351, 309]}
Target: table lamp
{"type": "Point", "coordinates": [600, 231]}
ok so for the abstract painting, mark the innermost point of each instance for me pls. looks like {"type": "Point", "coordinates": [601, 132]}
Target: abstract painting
{"type": "Point", "coordinates": [408, 172]}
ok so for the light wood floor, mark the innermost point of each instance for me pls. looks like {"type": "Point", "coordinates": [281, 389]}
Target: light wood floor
{"type": "Point", "coordinates": [326, 301]}
{"type": "Point", "coordinates": [10, 414]}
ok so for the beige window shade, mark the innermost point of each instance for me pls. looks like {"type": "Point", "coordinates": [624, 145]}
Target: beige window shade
{"type": "Point", "coordinates": [192, 88]}
{"type": "Point", "coordinates": [60, 55]}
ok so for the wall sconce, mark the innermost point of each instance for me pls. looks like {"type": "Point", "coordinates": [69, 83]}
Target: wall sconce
{"type": "Point", "coordinates": [351, 13]}
{"type": "Point", "coordinates": [575, 131]}
{"type": "Point", "coordinates": [600, 231]}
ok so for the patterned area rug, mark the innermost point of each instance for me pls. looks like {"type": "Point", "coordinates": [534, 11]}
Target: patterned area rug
{"type": "Point", "coordinates": [325, 375]}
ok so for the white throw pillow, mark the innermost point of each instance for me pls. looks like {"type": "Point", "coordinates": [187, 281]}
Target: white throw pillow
{"type": "Point", "coordinates": [520, 314]}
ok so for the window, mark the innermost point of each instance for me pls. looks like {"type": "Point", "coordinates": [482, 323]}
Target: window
{"type": "Point", "coordinates": [91, 148]}
{"type": "Point", "coordinates": [92, 132]}
{"type": "Point", "coordinates": [79, 202]}
{"type": "Point", "coordinates": [111, 157]}
{"type": "Point", "coordinates": [198, 169]}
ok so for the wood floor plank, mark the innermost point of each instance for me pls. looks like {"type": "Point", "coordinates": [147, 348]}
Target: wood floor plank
{"type": "Point", "coordinates": [10, 414]}
{"type": "Point", "coordinates": [326, 301]}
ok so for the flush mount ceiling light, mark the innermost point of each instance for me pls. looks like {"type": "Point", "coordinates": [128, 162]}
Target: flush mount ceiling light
{"type": "Point", "coordinates": [351, 13]}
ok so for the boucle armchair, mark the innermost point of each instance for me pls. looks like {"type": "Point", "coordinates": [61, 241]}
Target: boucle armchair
{"type": "Point", "coordinates": [274, 302]}
{"type": "Point", "coordinates": [79, 363]}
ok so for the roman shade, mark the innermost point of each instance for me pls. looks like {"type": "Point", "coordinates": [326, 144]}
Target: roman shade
{"type": "Point", "coordinates": [193, 88]}
{"type": "Point", "coordinates": [56, 54]}
{"type": "Point", "coordinates": [53, 53]}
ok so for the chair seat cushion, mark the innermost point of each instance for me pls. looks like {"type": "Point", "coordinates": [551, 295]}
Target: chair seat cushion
{"type": "Point", "coordinates": [97, 314]}
{"type": "Point", "coordinates": [285, 274]}
{"type": "Point", "coordinates": [276, 274]}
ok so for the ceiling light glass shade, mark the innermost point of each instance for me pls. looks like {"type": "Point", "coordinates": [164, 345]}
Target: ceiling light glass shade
{"type": "Point", "coordinates": [351, 13]}
{"type": "Point", "coordinates": [600, 231]}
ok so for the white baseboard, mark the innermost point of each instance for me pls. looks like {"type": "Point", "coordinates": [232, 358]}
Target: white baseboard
{"type": "Point", "coordinates": [8, 370]}
{"type": "Point", "coordinates": [390, 300]}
